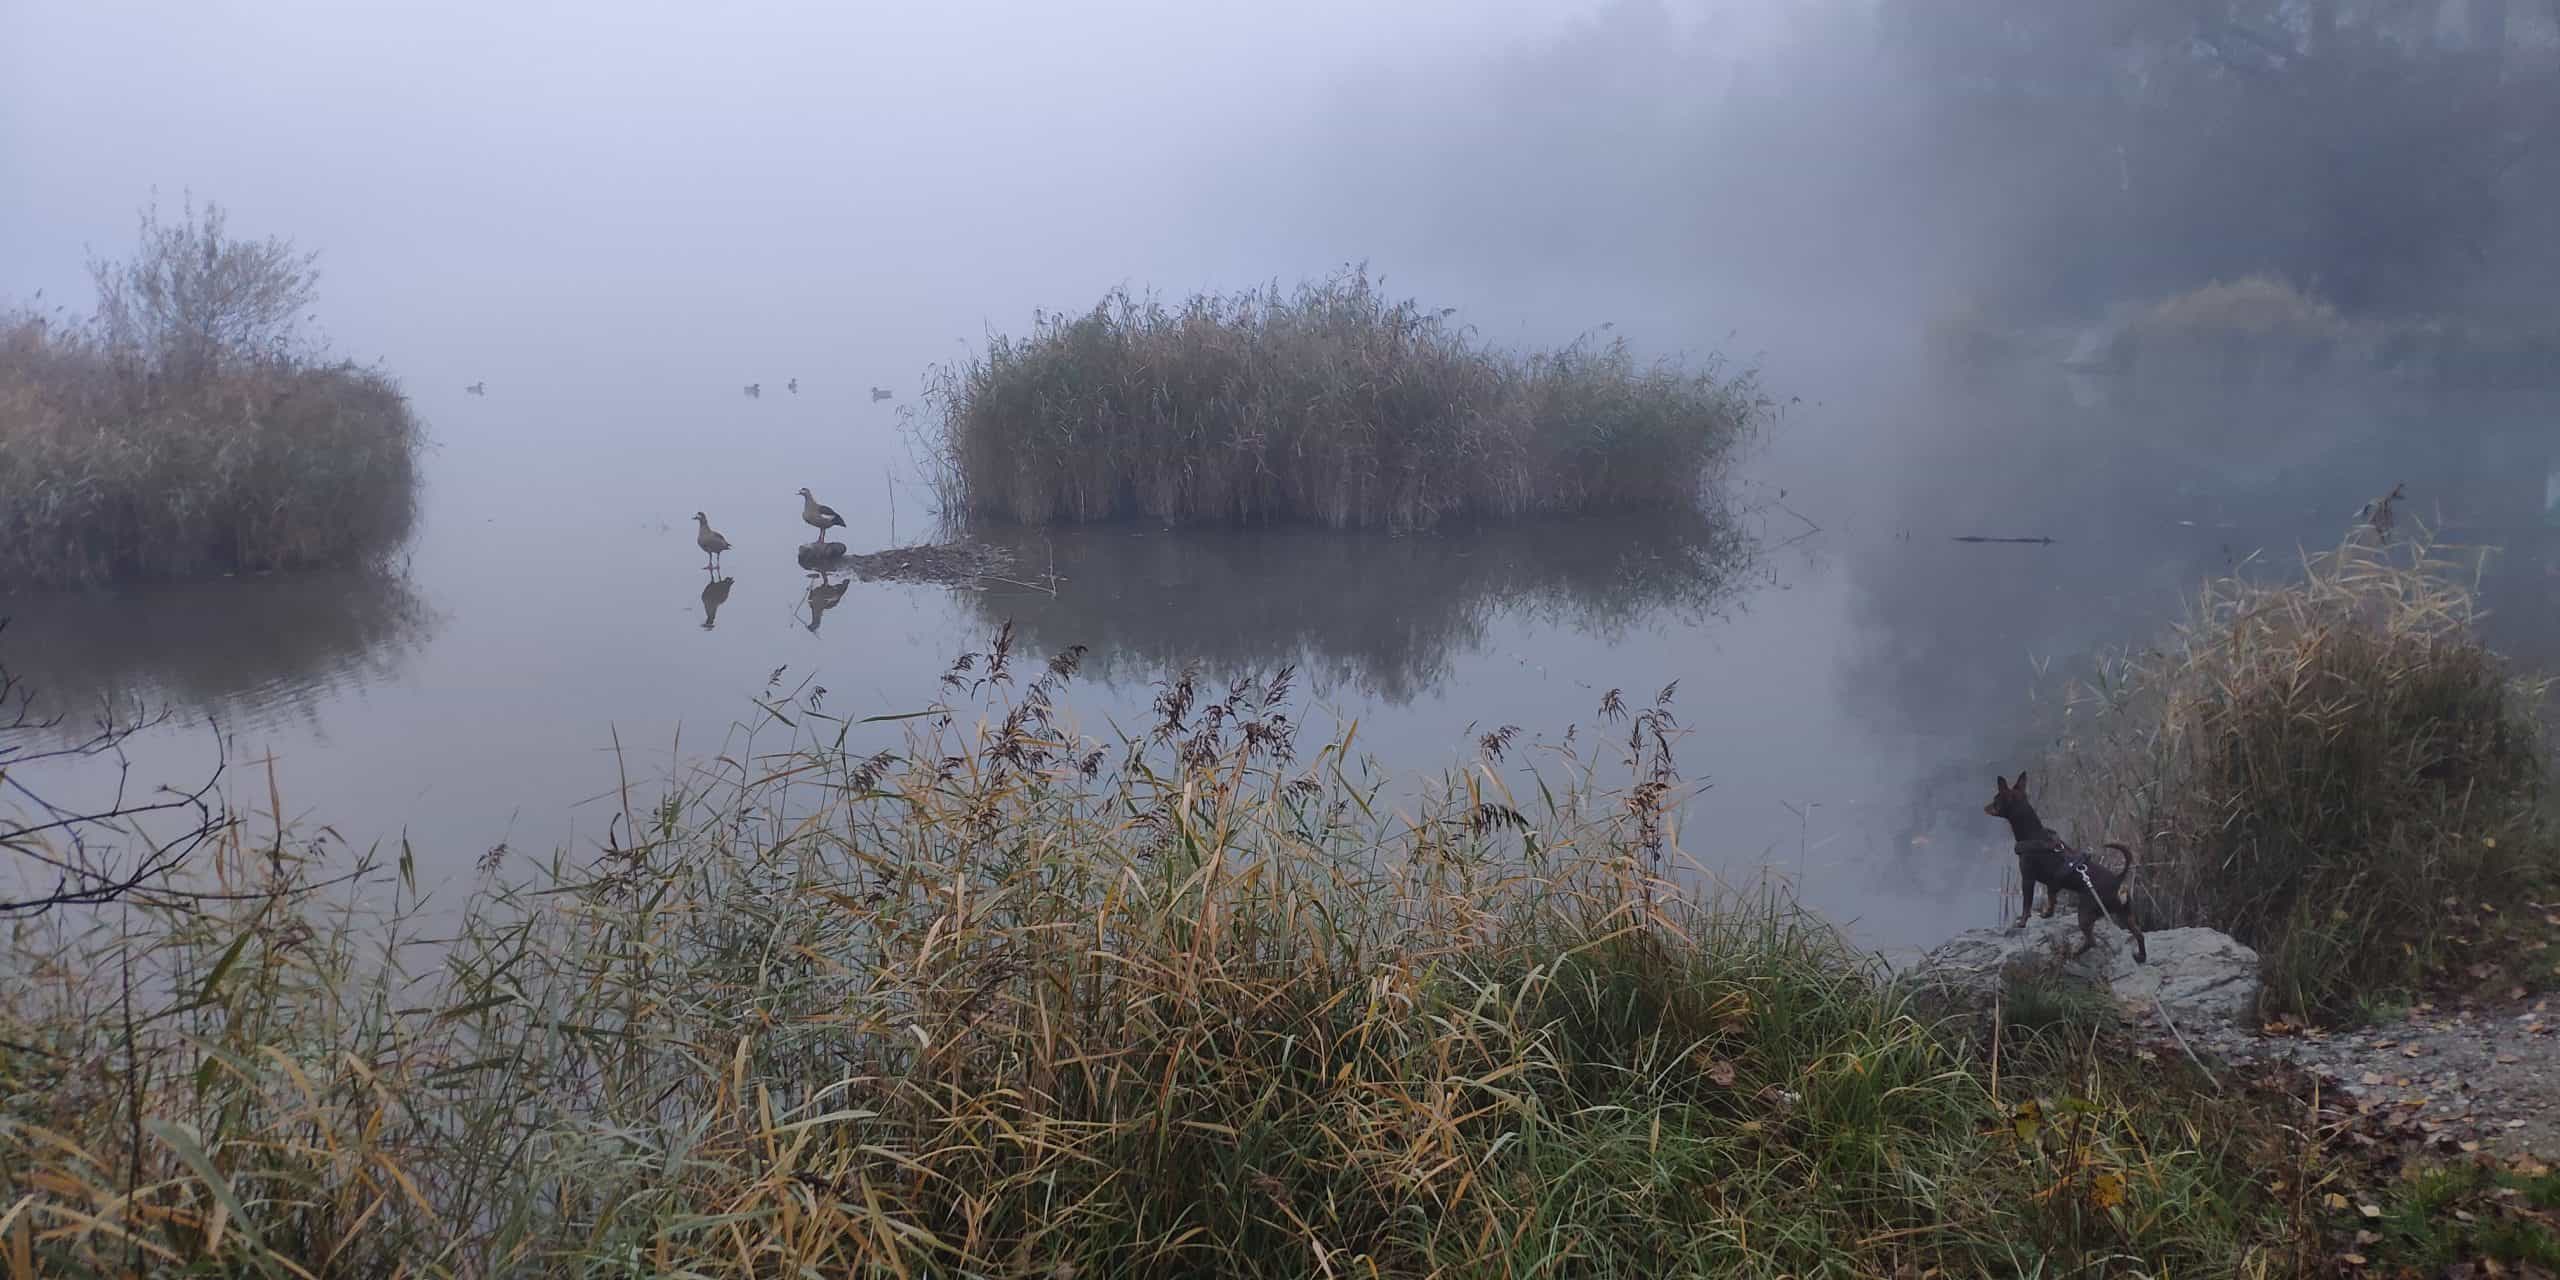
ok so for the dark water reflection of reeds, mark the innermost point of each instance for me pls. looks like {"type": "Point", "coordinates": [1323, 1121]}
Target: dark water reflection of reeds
{"type": "Point", "coordinates": [1378, 615]}
{"type": "Point", "coordinates": [250, 651]}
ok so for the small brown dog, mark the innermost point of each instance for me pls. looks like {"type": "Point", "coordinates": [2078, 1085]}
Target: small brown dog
{"type": "Point", "coordinates": [2044, 859]}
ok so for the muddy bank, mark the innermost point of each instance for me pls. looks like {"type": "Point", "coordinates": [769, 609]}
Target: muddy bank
{"type": "Point", "coordinates": [950, 564]}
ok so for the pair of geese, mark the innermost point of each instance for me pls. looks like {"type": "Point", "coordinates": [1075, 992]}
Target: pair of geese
{"type": "Point", "coordinates": [817, 515]}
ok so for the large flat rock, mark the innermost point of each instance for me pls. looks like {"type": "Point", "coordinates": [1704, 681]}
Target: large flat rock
{"type": "Point", "coordinates": [2201, 976]}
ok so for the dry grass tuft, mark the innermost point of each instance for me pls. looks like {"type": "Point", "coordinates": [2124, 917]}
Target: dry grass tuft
{"type": "Point", "coordinates": [2251, 307]}
{"type": "Point", "coordinates": [2253, 330]}
{"type": "Point", "coordinates": [2335, 771]}
{"type": "Point", "coordinates": [1332, 405]}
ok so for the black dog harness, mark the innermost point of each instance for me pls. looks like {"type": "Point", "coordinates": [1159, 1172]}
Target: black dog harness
{"type": "Point", "coordinates": [2077, 863]}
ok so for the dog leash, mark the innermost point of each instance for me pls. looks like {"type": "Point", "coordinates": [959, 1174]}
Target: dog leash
{"type": "Point", "coordinates": [2079, 864]}
{"type": "Point", "coordinates": [2080, 867]}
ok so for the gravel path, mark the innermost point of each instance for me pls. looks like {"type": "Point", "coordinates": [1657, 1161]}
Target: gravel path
{"type": "Point", "coordinates": [2473, 1079]}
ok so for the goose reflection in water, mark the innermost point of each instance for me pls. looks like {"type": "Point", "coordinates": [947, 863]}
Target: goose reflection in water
{"type": "Point", "coordinates": [715, 593]}
{"type": "Point", "coordinates": [824, 596]}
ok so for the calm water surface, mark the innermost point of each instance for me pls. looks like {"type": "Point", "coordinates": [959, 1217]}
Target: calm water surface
{"type": "Point", "coordinates": [1853, 677]}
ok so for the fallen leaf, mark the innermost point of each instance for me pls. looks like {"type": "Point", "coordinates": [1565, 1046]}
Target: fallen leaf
{"type": "Point", "coordinates": [2334, 1200]}
{"type": "Point", "coordinates": [2026, 1126]}
{"type": "Point", "coordinates": [2370, 1210]}
{"type": "Point", "coordinates": [1721, 1072]}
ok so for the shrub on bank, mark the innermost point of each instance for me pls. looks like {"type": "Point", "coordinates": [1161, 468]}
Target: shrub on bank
{"type": "Point", "coordinates": [2255, 308]}
{"type": "Point", "coordinates": [2257, 329]}
{"type": "Point", "coordinates": [1332, 405]}
{"type": "Point", "coordinates": [2336, 771]}
{"type": "Point", "coordinates": [186, 431]}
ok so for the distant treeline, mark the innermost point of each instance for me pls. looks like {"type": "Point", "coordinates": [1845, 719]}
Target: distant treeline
{"type": "Point", "coordinates": [2388, 155]}
{"type": "Point", "coordinates": [2395, 155]}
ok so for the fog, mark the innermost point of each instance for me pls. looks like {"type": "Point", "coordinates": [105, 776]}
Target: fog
{"type": "Point", "coordinates": [784, 180]}
{"type": "Point", "coordinates": [616, 215]}
{"type": "Point", "coordinates": [791, 182]}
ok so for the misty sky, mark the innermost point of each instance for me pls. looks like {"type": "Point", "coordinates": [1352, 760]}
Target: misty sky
{"type": "Point", "coordinates": [650, 175]}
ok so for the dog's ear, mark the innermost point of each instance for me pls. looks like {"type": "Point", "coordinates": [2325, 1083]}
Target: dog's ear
{"type": "Point", "coordinates": [2000, 784]}
{"type": "Point", "coordinates": [2021, 788]}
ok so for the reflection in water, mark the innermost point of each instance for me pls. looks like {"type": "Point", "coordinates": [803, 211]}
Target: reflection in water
{"type": "Point", "coordinates": [715, 593]}
{"type": "Point", "coordinates": [252, 650]}
{"type": "Point", "coordinates": [1379, 614]}
{"type": "Point", "coordinates": [824, 596]}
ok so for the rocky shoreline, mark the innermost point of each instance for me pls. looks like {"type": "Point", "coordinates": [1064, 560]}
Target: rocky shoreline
{"type": "Point", "coordinates": [2476, 1078]}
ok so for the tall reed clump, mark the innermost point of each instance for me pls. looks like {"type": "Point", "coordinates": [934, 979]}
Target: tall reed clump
{"type": "Point", "coordinates": [1333, 405]}
{"type": "Point", "coordinates": [1013, 1002]}
{"type": "Point", "coordinates": [2238, 331]}
{"type": "Point", "coordinates": [2336, 771]}
{"type": "Point", "coordinates": [188, 430]}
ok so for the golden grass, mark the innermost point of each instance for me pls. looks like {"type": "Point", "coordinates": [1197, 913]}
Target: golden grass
{"type": "Point", "coordinates": [1014, 1002]}
{"type": "Point", "coordinates": [2254, 306]}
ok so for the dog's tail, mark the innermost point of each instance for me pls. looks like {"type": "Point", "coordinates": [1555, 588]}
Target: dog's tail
{"type": "Point", "coordinates": [2127, 869]}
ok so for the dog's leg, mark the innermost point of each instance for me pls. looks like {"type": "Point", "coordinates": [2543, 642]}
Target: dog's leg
{"type": "Point", "coordinates": [2088, 928]}
{"type": "Point", "coordinates": [2027, 900]}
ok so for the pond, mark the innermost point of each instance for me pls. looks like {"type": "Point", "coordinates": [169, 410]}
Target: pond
{"type": "Point", "coordinates": [1852, 675]}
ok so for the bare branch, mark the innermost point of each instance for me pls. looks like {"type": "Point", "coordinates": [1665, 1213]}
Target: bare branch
{"type": "Point", "coordinates": [91, 854]}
